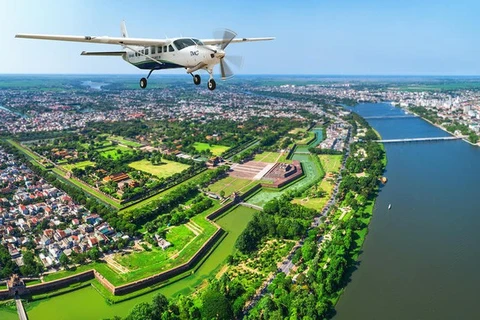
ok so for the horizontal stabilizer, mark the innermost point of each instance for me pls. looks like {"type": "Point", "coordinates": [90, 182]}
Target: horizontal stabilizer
{"type": "Point", "coordinates": [105, 53]}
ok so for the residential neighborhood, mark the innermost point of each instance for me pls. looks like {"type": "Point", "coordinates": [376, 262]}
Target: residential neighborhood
{"type": "Point", "coordinates": [36, 215]}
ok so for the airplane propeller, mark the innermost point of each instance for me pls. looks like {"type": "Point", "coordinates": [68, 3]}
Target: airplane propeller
{"type": "Point", "coordinates": [227, 36]}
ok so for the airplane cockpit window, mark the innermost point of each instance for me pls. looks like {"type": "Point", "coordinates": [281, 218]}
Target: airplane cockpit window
{"type": "Point", "coordinates": [198, 42]}
{"type": "Point", "coordinates": [183, 43]}
{"type": "Point", "coordinates": [170, 48]}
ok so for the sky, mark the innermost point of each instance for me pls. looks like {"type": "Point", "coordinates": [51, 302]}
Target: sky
{"type": "Point", "coordinates": [325, 37]}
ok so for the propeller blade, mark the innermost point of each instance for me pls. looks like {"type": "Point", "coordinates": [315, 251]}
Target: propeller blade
{"type": "Point", "coordinates": [227, 36]}
{"type": "Point", "coordinates": [237, 61]}
{"type": "Point", "coordinates": [225, 70]}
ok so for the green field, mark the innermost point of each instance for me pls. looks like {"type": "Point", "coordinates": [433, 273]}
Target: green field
{"type": "Point", "coordinates": [215, 149]}
{"type": "Point", "coordinates": [125, 142]}
{"type": "Point", "coordinates": [114, 152]}
{"type": "Point", "coordinates": [80, 165]}
{"type": "Point", "coordinates": [231, 184]}
{"type": "Point", "coordinates": [271, 157]}
{"type": "Point", "coordinates": [156, 260]}
{"type": "Point", "coordinates": [164, 170]}
{"type": "Point", "coordinates": [331, 163]}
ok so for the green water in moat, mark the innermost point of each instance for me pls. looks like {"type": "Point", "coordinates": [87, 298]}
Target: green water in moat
{"type": "Point", "coordinates": [87, 303]}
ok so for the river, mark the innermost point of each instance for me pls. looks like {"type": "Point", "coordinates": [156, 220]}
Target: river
{"type": "Point", "coordinates": [420, 259]}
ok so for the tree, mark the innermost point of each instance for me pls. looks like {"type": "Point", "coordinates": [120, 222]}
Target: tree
{"type": "Point", "coordinates": [142, 311]}
{"type": "Point", "coordinates": [159, 305]}
{"type": "Point", "coordinates": [216, 306]}
{"type": "Point", "coordinates": [64, 260]}
{"type": "Point", "coordinates": [94, 254]}
{"type": "Point", "coordinates": [309, 249]}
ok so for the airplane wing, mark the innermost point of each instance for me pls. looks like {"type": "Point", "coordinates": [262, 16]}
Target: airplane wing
{"type": "Point", "coordinates": [95, 39]}
{"type": "Point", "coordinates": [237, 40]}
{"type": "Point", "coordinates": [108, 53]}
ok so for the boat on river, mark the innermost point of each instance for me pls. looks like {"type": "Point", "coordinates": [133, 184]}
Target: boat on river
{"type": "Point", "coordinates": [389, 206]}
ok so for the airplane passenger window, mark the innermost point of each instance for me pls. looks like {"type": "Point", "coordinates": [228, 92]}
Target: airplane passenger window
{"type": "Point", "coordinates": [153, 50]}
{"type": "Point", "coordinates": [159, 50]}
{"type": "Point", "coordinates": [146, 51]}
{"type": "Point", "coordinates": [164, 48]}
{"type": "Point", "coordinates": [170, 48]}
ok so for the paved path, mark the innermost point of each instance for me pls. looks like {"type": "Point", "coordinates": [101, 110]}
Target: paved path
{"type": "Point", "coordinates": [22, 315]}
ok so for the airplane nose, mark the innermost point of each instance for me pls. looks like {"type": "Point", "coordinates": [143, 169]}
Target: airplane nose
{"type": "Point", "coordinates": [220, 54]}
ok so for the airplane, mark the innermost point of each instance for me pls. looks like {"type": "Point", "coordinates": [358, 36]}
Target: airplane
{"type": "Point", "coordinates": [157, 54]}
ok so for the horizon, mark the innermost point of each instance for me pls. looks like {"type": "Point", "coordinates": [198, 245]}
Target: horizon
{"type": "Point", "coordinates": [161, 74]}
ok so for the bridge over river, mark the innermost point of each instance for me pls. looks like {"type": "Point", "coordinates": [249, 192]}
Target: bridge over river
{"type": "Point", "coordinates": [406, 116]}
{"type": "Point", "coordinates": [418, 139]}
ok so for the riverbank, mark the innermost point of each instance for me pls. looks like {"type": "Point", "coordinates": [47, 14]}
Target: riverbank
{"type": "Point", "coordinates": [444, 129]}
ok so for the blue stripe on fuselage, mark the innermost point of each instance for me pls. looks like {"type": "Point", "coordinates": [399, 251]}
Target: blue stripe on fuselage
{"type": "Point", "coordinates": [156, 66]}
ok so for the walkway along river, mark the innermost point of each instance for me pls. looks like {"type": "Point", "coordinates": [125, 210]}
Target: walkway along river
{"type": "Point", "coordinates": [420, 259]}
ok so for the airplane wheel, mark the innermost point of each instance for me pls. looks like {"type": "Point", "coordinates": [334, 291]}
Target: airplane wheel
{"type": "Point", "coordinates": [211, 84]}
{"type": "Point", "coordinates": [143, 83]}
{"type": "Point", "coordinates": [196, 79]}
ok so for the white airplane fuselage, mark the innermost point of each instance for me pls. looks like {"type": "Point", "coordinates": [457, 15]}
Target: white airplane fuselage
{"type": "Point", "coordinates": [170, 56]}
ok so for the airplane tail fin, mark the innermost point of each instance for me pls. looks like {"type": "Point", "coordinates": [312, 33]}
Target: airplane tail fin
{"type": "Point", "coordinates": [123, 28]}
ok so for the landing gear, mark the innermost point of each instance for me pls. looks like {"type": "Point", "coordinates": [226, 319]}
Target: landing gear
{"type": "Point", "coordinates": [143, 83]}
{"type": "Point", "coordinates": [212, 84]}
{"type": "Point", "coordinates": [196, 79]}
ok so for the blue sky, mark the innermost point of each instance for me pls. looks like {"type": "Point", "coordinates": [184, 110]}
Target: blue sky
{"type": "Point", "coordinates": [341, 37]}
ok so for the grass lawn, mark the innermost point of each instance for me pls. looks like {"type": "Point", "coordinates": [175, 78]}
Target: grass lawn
{"type": "Point", "coordinates": [307, 138]}
{"type": "Point", "coordinates": [216, 149]}
{"type": "Point", "coordinates": [312, 203]}
{"type": "Point", "coordinates": [165, 170]}
{"type": "Point", "coordinates": [297, 130]}
{"type": "Point", "coordinates": [80, 165]}
{"type": "Point", "coordinates": [125, 142]}
{"type": "Point", "coordinates": [178, 236]}
{"type": "Point", "coordinates": [270, 157]}
{"type": "Point", "coordinates": [148, 263]}
{"type": "Point", "coordinates": [231, 184]}
{"type": "Point", "coordinates": [331, 163]}
{"type": "Point", "coordinates": [283, 158]}
{"type": "Point", "coordinates": [114, 152]}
